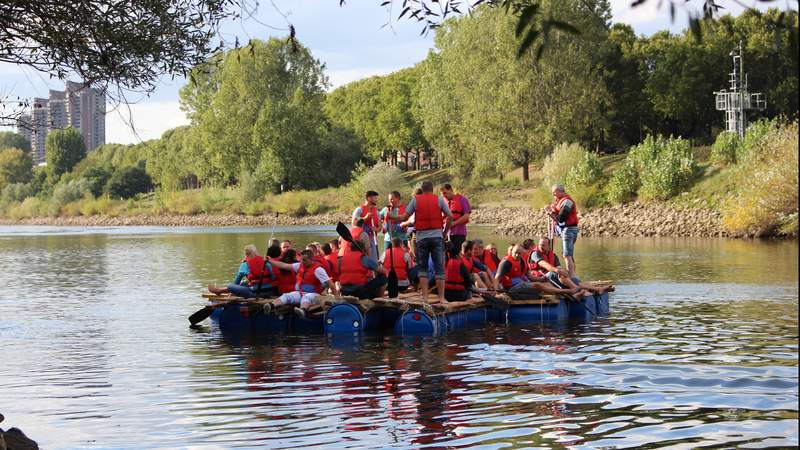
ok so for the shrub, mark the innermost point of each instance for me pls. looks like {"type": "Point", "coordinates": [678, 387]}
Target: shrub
{"type": "Point", "coordinates": [97, 177]}
{"type": "Point", "coordinates": [16, 192]}
{"type": "Point", "coordinates": [256, 208]}
{"type": "Point", "coordinates": [67, 193]}
{"type": "Point", "coordinates": [725, 146]}
{"type": "Point", "coordinates": [380, 178]}
{"type": "Point", "coordinates": [571, 165]}
{"type": "Point", "coordinates": [180, 202]}
{"type": "Point", "coordinates": [766, 201]}
{"type": "Point", "coordinates": [129, 181]}
{"type": "Point", "coordinates": [92, 206]}
{"type": "Point", "coordinates": [251, 187]}
{"type": "Point", "coordinates": [752, 139]}
{"type": "Point", "coordinates": [656, 169]}
{"type": "Point", "coordinates": [30, 207]}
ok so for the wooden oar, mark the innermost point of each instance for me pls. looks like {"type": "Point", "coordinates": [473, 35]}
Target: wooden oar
{"type": "Point", "coordinates": [392, 287]}
{"type": "Point", "coordinates": [344, 232]}
{"type": "Point", "coordinates": [204, 313]}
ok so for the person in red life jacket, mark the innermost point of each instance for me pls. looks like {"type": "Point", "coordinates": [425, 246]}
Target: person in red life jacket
{"type": "Point", "coordinates": [320, 259]}
{"type": "Point", "coordinates": [331, 256]}
{"type": "Point", "coordinates": [311, 280]}
{"type": "Point", "coordinates": [527, 248]}
{"type": "Point", "coordinates": [512, 277]}
{"type": "Point", "coordinates": [458, 279]}
{"type": "Point", "coordinates": [487, 255]}
{"type": "Point", "coordinates": [430, 212]}
{"type": "Point", "coordinates": [479, 271]}
{"type": "Point", "coordinates": [284, 278]}
{"type": "Point", "coordinates": [355, 274]}
{"type": "Point", "coordinates": [544, 265]}
{"type": "Point", "coordinates": [459, 207]}
{"type": "Point", "coordinates": [564, 213]}
{"type": "Point", "coordinates": [398, 255]}
{"type": "Point", "coordinates": [393, 228]}
{"type": "Point", "coordinates": [368, 213]}
{"type": "Point", "coordinates": [255, 277]}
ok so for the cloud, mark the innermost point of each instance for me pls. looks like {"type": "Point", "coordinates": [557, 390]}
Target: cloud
{"type": "Point", "coordinates": [150, 121]}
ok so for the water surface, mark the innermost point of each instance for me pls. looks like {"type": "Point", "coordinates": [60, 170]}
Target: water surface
{"type": "Point", "coordinates": [701, 349]}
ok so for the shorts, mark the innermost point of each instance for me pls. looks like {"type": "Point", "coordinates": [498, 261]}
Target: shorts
{"type": "Point", "coordinates": [568, 237]}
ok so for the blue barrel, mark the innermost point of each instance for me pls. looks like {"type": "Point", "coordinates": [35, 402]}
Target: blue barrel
{"type": "Point", "coordinates": [603, 306]}
{"type": "Point", "coordinates": [524, 314]}
{"type": "Point", "coordinates": [344, 318]}
{"type": "Point", "coordinates": [306, 325]}
{"type": "Point", "coordinates": [272, 323]}
{"type": "Point", "coordinates": [582, 314]}
{"type": "Point", "coordinates": [215, 314]}
{"type": "Point", "coordinates": [416, 322]}
{"type": "Point", "coordinates": [234, 318]}
{"type": "Point", "coordinates": [478, 317]}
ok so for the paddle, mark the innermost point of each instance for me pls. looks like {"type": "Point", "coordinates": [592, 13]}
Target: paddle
{"type": "Point", "coordinates": [266, 260]}
{"type": "Point", "coordinates": [344, 232]}
{"type": "Point", "coordinates": [393, 289]}
{"type": "Point", "coordinates": [203, 314]}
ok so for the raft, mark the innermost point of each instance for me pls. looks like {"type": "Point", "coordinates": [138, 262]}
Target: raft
{"type": "Point", "coordinates": [405, 315]}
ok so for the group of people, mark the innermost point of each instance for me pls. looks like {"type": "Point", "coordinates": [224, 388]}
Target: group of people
{"type": "Point", "coordinates": [423, 239]}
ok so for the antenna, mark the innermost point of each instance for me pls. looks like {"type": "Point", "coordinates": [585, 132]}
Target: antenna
{"type": "Point", "coordinates": [738, 100]}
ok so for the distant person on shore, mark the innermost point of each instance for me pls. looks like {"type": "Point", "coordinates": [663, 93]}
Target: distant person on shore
{"type": "Point", "coordinates": [255, 277]}
{"type": "Point", "coordinates": [544, 265]}
{"type": "Point", "coordinates": [355, 273]}
{"type": "Point", "coordinates": [512, 277]}
{"type": "Point", "coordinates": [368, 213]}
{"type": "Point", "coordinates": [430, 212]}
{"type": "Point", "coordinates": [564, 213]}
{"type": "Point", "coordinates": [311, 281]}
{"type": "Point", "coordinates": [394, 229]}
{"type": "Point", "coordinates": [459, 207]}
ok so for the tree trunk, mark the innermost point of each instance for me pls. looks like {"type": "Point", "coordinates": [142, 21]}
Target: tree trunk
{"type": "Point", "coordinates": [525, 174]}
{"type": "Point", "coordinates": [418, 163]}
{"type": "Point", "coordinates": [405, 158]}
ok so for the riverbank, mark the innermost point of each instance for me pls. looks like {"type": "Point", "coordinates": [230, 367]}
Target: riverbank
{"type": "Point", "coordinates": [633, 219]}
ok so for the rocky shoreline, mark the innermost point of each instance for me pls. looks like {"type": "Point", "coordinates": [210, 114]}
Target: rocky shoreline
{"type": "Point", "coordinates": [634, 219]}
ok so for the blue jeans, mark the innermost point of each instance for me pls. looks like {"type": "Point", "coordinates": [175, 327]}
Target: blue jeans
{"type": "Point", "coordinates": [568, 237]}
{"type": "Point", "coordinates": [433, 247]}
{"type": "Point", "coordinates": [248, 292]}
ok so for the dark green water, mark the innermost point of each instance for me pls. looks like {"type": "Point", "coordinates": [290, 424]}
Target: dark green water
{"type": "Point", "coordinates": [700, 350]}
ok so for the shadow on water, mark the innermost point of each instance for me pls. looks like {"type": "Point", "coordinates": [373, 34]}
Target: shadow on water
{"type": "Point", "coordinates": [700, 350]}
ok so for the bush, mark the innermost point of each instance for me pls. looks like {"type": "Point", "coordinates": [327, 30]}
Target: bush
{"type": "Point", "coordinates": [30, 207]}
{"type": "Point", "coordinates": [571, 165]}
{"type": "Point", "coordinates": [752, 139]}
{"type": "Point", "coordinates": [256, 208]}
{"type": "Point", "coordinates": [16, 192]}
{"type": "Point", "coordinates": [381, 178]}
{"type": "Point", "coordinates": [92, 206]}
{"type": "Point", "coordinates": [67, 193]}
{"type": "Point", "coordinates": [129, 181]}
{"type": "Point", "coordinates": [767, 199]}
{"type": "Point", "coordinates": [180, 202]}
{"type": "Point", "coordinates": [725, 147]}
{"type": "Point", "coordinates": [97, 177]}
{"type": "Point", "coordinates": [251, 187]}
{"type": "Point", "coordinates": [656, 169]}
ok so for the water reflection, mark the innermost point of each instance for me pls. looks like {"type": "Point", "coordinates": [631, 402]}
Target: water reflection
{"type": "Point", "coordinates": [700, 350]}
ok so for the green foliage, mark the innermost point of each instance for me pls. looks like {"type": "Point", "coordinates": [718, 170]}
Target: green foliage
{"type": "Point", "coordinates": [15, 166]}
{"type": "Point", "coordinates": [128, 181]}
{"type": "Point", "coordinates": [65, 193]}
{"type": "Point", "coordinates": [97, 178]}
{"type": "Point", "coordinates": [766, 200]}
{"type": "Point", "coordinates": [9, 139]}
{"type": "Point", "coordinates": [15, 192]}
{"type": "Point", "coordinates": [656, 169]}
{"type": "Point", "coordinates": [572, 166]}
{"type": "Point", "coordinates": [752, 140]}
{"type": "Point", "coordinates": [65, 148]}
{"type": "Point", "coordinates": [382, 179]}
{"type": "Point", "coordinates": [30, 207]}
{"type": "Point", "coordinates": [725, 148]}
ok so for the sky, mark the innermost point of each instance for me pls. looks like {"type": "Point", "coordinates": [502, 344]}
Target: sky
{"type": "Point", "coordinates": [351, 40]}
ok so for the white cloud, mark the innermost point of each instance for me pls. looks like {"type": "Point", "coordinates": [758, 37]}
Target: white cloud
{"type": "Point", "coordinates": [149, 120]}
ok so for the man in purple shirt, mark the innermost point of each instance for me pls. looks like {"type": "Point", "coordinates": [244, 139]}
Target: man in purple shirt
{"type": "Point", "coordinates": [459, 206]}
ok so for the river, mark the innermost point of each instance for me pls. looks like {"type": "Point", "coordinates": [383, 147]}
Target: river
{"type": "Point", "coordinates": [700, 349]}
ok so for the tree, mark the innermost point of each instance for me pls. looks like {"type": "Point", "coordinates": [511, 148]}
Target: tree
{"type": "Point", "coordinates": [97, 178]}
{"type": "Point", "coordinates": [129, 181]}
{"type": "Point", "coordinates": [64, 148]}
{"type": "Point", "coordinates": [126, 44]}
{"type": "Point", "coordinates": [15, 166]}
{"type": "Point", "coordinates": [9, 139]}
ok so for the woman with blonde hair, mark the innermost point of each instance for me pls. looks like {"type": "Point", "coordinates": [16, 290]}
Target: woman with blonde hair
{"type": "Point", "coordinates": [255, 277]}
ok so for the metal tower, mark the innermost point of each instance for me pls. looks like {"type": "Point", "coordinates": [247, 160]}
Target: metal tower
{"type": "Point", "coordinates": [738, 100]}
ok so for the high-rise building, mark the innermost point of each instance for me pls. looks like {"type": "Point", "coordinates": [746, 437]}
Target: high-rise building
{"type": "Point", "coordinates": [78, 106]}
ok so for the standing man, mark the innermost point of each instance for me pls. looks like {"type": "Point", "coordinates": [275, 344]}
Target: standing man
{"type": "Point", "coordinates": [459, 206]}
{"type": "Point", "coordinates": [430, 212]}
{"type": "Point", "coordinates": [394, 229]}
{"type": "Point", "coordinates": [368, 212]}
{"type": "Point", "coordinates": [564, 213]}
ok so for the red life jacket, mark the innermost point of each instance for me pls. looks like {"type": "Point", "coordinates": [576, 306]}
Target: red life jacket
{"type": "Point", "coordinates": [427, 214]}
{"type": "Point", "coordinates": [526, 255]}
{"type": "Point", "coordinates": [456, 207]}
{"type": "Point", "coordinates": [285, 279]}
{"type": "Point", "coordinates": [549, 257]}
{"type": "Point", "coordinates": [348, 247]}
{"type": "Point", "coordinates": [325, 264]}
{"type": "Point", "coordinates": [399, 262]}
{"type": "Point", "coordinates": [453, 280]}
{"type": "Point", "coordinates": [390, 224]}
{"type": "Point", "coordinates": [488, 260]}
{"type": "Point", "coordinates": [572, 218]}
{"type": "Point", "coordinates": [468, 262]}
{"type": "Point", "coordinates": [307, 280]}
{"type": "Point", "coordinates": [258, 272]}
{"type": "Point", "coordinates": [373, 220]}
{"type": "Point", "coordinates": [333, 262]}
{"type": "Point", "coordinates": [513, 276]}
{"type": "Point", "coordinates": [351, 271]}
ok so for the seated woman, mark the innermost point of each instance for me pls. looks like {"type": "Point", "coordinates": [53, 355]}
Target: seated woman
{"type": "Point", "coordinates": [403, 264]}
{"type": "Point", "coordinates": [471, 253]}
{"type": "Point", "coordinates": [457, 277]}
{"type": "Point", "coordinates": [255, 278]}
